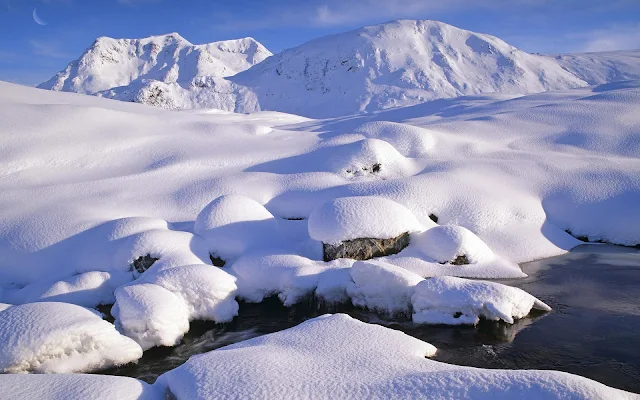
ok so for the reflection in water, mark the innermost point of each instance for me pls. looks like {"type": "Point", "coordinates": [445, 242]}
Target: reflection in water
{"type": "Point", "coordinates": [592, 330]}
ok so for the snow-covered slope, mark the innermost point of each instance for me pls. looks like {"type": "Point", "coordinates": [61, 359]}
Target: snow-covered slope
{"type": "Point", "coordinates": [110, 63]}
{"type": "Point", "coordinates": [396, 64]}
{"type": "Point", "coordinates": [603, 67]}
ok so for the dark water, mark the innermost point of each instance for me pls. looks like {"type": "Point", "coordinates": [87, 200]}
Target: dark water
{"type": "Point", "coordinates": [593, 330]}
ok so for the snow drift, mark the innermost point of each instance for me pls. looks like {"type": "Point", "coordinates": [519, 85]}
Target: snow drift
{"type": "Point", "coordinates": [337, 357]}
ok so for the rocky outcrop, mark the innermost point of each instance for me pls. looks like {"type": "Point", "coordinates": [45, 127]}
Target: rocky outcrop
{"type": "Point", "coordinates": [365, 248]}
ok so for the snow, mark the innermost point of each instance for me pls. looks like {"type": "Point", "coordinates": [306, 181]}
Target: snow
{"type": "Point", "coordinates": [348, 218]}
{"type": "Point", "coordinates": [291, 277]}
{"type": "Point", "coordinates": [4, 306]}
{"type": "Point", "coordinates": [232, 223]}
{"type": "Point", "coordinates": [75, 386]}
{"type": "Point", "coordinates": [445, 243]}
{"type": "Point", "coordinates": [453, 301]}
{"type": "Point", "coordinates": [111, 63]}
{"type": "Point", "coordinates": [396, 64]}
{"type": "Point", "coordinates": [151, 315]}
{"type": "Point", "coordinates": [88, 289]}
{"type": "Point", "coordinates": [410, 141]}
{"type": "Point", "coordinates": [58, 338]}
{"type": "Point", "coordinates": [383, 287]}
{"type": "Point", "coordinates": [88, 185]}
{"type": "Point", "coordinates": [337, 357]}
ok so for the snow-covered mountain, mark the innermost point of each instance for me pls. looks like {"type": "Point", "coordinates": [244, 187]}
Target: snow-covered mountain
{"type": "Point", "coordinates": [111, 63]}
{"type": "Point", "coordinates": [395, 64]}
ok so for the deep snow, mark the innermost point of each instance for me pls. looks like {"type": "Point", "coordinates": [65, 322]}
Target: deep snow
{"type": "Point", "coordinates": [337, 357]}
{"type": "Point", "coordinates": [89, 185]}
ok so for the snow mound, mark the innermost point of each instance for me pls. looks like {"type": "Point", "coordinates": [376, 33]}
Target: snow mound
{"type": "Point", "coordinates": [410, 141]}
{"type": "Point", "coordinates": [207, 291]}
{"type": "Point", "coordinates": [381, 286]}
{"type": "Point", "coordinates": [111, 63]}
{"type": "Point", "coordinates": [456, 301]}
{"type": "Point", "coordinates": [151, 315]}
{"type": "Point", "coordinates": [231, 224]}
{"type": "Point", "coordinates": [291, 277]}
{"type": "Point", "coordinates": [60, 338]}
{"type": "Point", "coordinates": [446, 243]}
{"type": "Point", "coordinates": [338, 357]}
{"type": "Point", "coordinates": [75, 386]}
{"type": "Point", "coordinates": [156, 309]}
{"type": "Point", "coordinates": [365, 158]}
{"type": "Point", "coordinates": [347, 218]}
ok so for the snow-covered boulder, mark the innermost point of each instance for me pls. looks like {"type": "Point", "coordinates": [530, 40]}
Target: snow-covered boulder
{"type": "Point", "coordinates": [156, 309]}
{"type": "Point", "coordinates": [457, 301]}
{"type": "Point", "coordinates": [74, 386]}
{"type": "Point", "coordinates": [207, 291]}
{"type": "Point", "coordinates": [352, 227]}
{"type": "Point", "coordinates": [151, 315]}
{"type": "Point", "coordinates": [363, 158]}
{"type": "Point", "coordinates": [59, 338]}
{"type": "Point", "coordinates": [452, 244]}
{"type": "Point", "coordinates": [291, 277]}
{"type": "Point", "coordinates": [338, 357]}
{"type": "Point", "coordinates": [382, 287]}
{"type": "Point", "coordinates": [233, 223]}
{"type": "Point", "coordinates": [409, 140]}
{"type": "Point", "coordinates": [348, 218]}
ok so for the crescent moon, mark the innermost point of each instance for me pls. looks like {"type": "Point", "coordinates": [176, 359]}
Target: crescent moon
{"type": "Point", "coordinates": [36, 18]}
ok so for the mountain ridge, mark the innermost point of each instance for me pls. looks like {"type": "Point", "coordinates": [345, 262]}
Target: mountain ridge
{"type": "Point", "coordinates": [394, 64]}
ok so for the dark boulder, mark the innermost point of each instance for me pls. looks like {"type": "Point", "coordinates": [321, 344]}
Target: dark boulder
{"type": "Point", "coordinates": [365, 248]}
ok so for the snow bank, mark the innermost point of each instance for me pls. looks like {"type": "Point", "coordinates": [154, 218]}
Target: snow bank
{"type": "Point", "coordinates": [231, 224]}
{"type": "Point", "coordinates": [59, 338]}
{"type": "Point", "coordinates": [290, 277]}
{"type": "Point", "coordinates": [349, 218]}
{"type": "Point", "coordinates": [383, 287]}
{"type": "Point", "coordinates": [75, 386]}
{"type": "Point", "coordinates": [88, 289]}
{"type": "Point", "coordinates": [455, 301]}
{"type": "Point", "coordinates": [338, 357]}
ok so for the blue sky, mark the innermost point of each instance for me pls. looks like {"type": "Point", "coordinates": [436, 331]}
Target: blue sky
{"type": "Point", "coordinates": [31, 53]}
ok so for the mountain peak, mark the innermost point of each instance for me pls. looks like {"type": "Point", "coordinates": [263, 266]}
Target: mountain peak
{"type": "Point", "coordinates": [168, 58]}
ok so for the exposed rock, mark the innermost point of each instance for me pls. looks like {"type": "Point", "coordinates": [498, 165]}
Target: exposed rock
{"type": "Point", "coordinates": [365, 248]}
{"type": "Point", "coordinates": [460, 260]}
{"type": "Point", "coordinates": [143, 263]}
{"type": "Point", "coordinates": [433, 217]}
{"type": "Point", "coordinates": [217, 261]}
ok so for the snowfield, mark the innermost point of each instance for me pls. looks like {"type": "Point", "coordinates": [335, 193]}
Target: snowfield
{"type": "Point", "coordinates": [174, 216]}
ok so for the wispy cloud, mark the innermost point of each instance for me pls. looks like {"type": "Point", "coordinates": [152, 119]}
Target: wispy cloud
{"type": "Point", "coordinates": [625, 37]}
{"type": "Point", "coordinates": [47, 49]}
